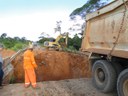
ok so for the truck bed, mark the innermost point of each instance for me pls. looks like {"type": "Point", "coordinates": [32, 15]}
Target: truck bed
{"type": "Point", "coordinates": [107, 30]}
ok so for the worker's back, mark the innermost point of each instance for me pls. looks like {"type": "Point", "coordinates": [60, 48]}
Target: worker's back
{"type": "Point", "coordinates": [27, 60]}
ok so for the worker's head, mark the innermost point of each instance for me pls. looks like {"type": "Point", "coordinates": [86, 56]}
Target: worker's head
{"type": "Point", "coordinates": [30, 47]}
{"type": "Point", "coordinates": [1, 47]}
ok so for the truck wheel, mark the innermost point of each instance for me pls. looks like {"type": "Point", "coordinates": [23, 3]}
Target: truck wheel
{"type": "Point", "coordinates": [103, 76]}
{"type": "Point", "coordinates": [122, 83]}
{"type": "Point", "coordinates": [118, 68]}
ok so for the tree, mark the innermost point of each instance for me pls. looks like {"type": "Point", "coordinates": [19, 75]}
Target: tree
{"type": "Point", "coordinates": [17, 38]}
{"type": "Point", "coordinates": [58, 26]}
{"type": "Point", "coordinates": [23, 39]}
{"type": "Point", "coordinates": [13, 43]}
{"type": "Point", "coordinates": [74, 42]}
{"type": "Point", "coordinates": [89, 7]}
{"type": "Point", "coordinates": [9, 42]}
{"type": "Point", "coordinates": [77, 42]}
{"type": "Point", "coordinates": [4, 35]}
{"type": "Point", "coordinates": [43, 35]}
{"type": "Point", "coordinates": [42, 40]}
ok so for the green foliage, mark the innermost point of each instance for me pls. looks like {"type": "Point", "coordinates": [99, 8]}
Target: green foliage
{"type": "Point", "coordinates": [17, 46]}
{"type": "Point", "coordinates": [89, 7]}
{"type": "Point", "coordinates": [42, 40]}
{"type": "Point", "coordinates": [70, 42]}
{"type": "Point", "coordinates": [70, 49]}
{"type": "Point", "coordinates": [3, 35]}
{"type": "Point", "coordinates": [75, 42]}
{"type": "Point", "coordinates": [15, 43]}
{"type": "Point", "coordinates": [8, 42]}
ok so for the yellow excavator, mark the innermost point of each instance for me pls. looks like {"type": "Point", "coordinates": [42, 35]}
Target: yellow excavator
{"type": "Point", "coordinates": [55, 44]}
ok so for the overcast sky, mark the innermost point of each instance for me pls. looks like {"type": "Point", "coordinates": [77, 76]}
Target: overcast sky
{"type": "Point", "coordinates": [29, 18]}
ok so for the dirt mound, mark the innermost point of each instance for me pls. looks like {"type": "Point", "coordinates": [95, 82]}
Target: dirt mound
{"type": "Point", "coordinates": [7, 53]}
{"type": "Point", "coordinates": [55, 66]}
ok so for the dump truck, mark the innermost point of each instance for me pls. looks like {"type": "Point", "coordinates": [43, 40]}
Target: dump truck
{"type": "Point", "coordinates": [106, 40]}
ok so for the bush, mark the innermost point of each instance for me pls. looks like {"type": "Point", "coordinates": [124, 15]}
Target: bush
{"type": "Point", "coordinates": [17, 47]}
{"type": "Point", "coordinates": [70, 49]}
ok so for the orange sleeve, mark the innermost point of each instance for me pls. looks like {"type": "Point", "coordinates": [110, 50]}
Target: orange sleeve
{"type": "Point", "coordinates": [33, 60]}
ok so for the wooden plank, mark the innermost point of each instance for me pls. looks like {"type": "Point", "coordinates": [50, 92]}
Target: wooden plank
{"type": "Point", "coordinates": [7, 67]}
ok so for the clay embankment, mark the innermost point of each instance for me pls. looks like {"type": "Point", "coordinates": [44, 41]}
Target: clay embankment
{"type": "Point", "coordinates": [55, 66]}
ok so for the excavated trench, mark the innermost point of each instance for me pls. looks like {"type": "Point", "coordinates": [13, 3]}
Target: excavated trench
{"type": "Point", "coordinates": [53, 65]}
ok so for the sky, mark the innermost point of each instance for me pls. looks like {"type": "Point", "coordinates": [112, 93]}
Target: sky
{"type": "Point", "coordinates": [29, 18]}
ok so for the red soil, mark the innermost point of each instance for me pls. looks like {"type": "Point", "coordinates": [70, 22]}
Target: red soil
{"type": "Point", "coordinates": [57, 65]}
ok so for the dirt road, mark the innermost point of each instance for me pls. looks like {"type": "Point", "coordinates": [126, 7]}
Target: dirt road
{"type": "Point", "coordinates": [69, 87]}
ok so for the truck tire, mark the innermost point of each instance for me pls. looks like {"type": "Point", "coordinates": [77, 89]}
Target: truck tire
{"type": "Point", "coordinates": [118, 68]}
{"type": "Point", "coordinates": [103, 76]}
{"type": "Point", "coordinates": [122, 83]}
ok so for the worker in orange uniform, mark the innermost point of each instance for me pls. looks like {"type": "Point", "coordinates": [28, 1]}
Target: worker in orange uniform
{"type": "Point", "coordinates": [29, 68]}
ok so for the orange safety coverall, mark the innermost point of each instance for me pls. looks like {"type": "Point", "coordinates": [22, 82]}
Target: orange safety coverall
{"type": "Point", "coordinates": [29, 66]}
